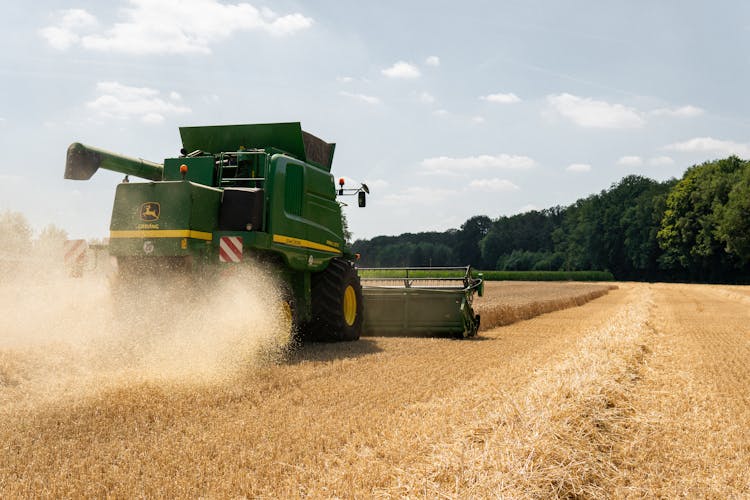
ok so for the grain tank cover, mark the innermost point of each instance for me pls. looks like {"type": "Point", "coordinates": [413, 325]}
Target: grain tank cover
{"type": "Point", "coordinates": [288, 137]}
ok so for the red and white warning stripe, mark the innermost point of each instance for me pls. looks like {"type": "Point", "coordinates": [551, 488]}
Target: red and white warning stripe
{"type": "Point", "coordinates": [75, 251]}
{"type": "Point", "coordinates": [230, 249]}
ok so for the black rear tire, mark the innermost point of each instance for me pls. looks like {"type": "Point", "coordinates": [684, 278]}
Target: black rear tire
{"type": "Point", "coordinates": [336, 304]}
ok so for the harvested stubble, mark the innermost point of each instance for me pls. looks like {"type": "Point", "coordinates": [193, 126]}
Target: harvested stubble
{"type": "Point", "coordinates": [593, 401]}
{"type": "Point", "coordinates": [689, 435]}
{"type": "Point", "coordinates": [349, 419]}
{"type": "Point", "coordinates": [557, 434]}
{"type": "Point", "coordinates": [507, 302]}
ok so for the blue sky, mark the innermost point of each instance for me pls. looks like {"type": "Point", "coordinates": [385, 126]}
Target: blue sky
{"type": "Point", "coordinates": [445, 109]}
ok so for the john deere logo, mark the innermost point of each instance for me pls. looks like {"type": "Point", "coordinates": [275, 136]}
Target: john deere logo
{"type": "Point", "coordinates": [150, 211]}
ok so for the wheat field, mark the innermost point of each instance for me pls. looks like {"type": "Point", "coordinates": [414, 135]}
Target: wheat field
{"type": "Point", "coordinates": [587, 391]}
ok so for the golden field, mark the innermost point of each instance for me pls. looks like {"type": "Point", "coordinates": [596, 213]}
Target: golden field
{"type": "Point", "coordinates": [638, 390]}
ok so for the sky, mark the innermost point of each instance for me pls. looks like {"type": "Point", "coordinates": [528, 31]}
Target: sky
{"type": "Point", "coordinates": [445, 109]}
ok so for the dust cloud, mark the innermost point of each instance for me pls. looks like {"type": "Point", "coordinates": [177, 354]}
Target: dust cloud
{"type": "Point", "coordinates": [63, 338]}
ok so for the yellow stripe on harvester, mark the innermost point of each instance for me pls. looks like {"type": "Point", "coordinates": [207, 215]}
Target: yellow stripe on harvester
{"type": "Point", "coordinates": [296, 242]}
{"type": "Point", "coordinates": [162, 233]}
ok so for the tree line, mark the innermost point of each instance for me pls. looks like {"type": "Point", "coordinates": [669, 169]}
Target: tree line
{"type": "Point", "coordinates": [696, 228]}
{"type": "Point", "coordinates": [17, 238]}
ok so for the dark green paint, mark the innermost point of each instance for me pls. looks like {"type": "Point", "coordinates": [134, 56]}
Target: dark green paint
{"type": "Point", "coordinates": [200, 169]}
{"type": "Point", "coordinates": [420, 300]}
{"type": "Point", "coordinates": [182, 206]}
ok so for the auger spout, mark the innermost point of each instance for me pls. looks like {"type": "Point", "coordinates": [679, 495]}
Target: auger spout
{"type": "Point", "coordinates": [83, 161]}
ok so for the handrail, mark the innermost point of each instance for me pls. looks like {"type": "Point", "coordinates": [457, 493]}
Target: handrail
{"type": "Point", "coordinates": [421, 280]}
{"type": "Point", "coordinates": [224, 164]}
{"type": "Point", "coordinates": [234, 179]}
{"type": "Point", "coordinates": [416, 268]}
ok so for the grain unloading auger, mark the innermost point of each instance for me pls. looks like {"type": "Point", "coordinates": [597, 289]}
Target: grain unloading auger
{"type": "Point", "coordinates": [237, 193]}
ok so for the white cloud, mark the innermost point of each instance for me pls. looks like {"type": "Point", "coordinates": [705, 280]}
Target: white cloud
{"type": "Point", "coordinates": [120, 101]}
{"type": "Point", "coordinates": [681, 112]}
{"type": "Point", "coordinates": [169, 27]}
{"type": "Point", "coordinates": [590, 113]}
{"type": "Point", "coordinates": [432, 61]}
{"type": "Point", "coordinates": [477, 119]}
{"type": "Point", "coordinates": [426, 98]}
{"type": "Point", "coordinates": [64, 33]}
{"type": "Point", "coordinates": [501, 98]}
{"type": "Point", "coordinates": [152, 118]}
{"type": "Point", "coordinates": [452, 166]}
{"type": "Point", "coordinates": [659, 161]}
{"type": "Point", "coordinates": [493, 185]}
{"type": "Point", "coordinates": [377, 184]}
{"type": "Point", "coordinates": [361, 97]}
{"type": "Point", "coordinates": [402, 69]}
{"type": "Point", "coordinates": [578, 167]}
{"type": "Point", "coordinates": [420, 195]}
{"type": "Point", "coordinates": [636, 161]}
{"type": "Point", "coordinates": [710, 145]}
{"type": "Point", "coordinates": [344, 79]}
{"type": "Point", "coordinates": [630, 161]}
{"type": "Point", "coordinates": [440, 112]}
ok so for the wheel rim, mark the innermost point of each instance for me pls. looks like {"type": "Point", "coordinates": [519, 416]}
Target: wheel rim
{"type": "Point", "coordinates": [285, 335]}
{"type": "Point", "coordinates": [286, 311]}
{"type": "Point", "coordinates": [350, 305]}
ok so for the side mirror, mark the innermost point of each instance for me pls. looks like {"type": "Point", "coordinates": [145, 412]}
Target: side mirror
{"type": "Point", "coordinates": [362, 199]}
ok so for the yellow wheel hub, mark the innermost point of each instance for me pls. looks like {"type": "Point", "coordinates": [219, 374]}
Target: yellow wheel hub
{"type": "Point", "coordinates": [286, 311]}
{"type": "Point", "coordinates": [285, 334]}
{"type": "Point", "coordinates": [350, 305]}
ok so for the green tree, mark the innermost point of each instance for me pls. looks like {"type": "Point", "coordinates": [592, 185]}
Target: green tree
{"type": "Point", "coordinates": [689, 233]}
{"type": "Point", "coordinates": [471, 233]}
{"type": "Point", "coordinates": [524, 260]}
{"type": "Point", "coordinates": [530, 231]}
{"type": "Point", "coordinates": [630, 219]}
{"type": "Point", "coordinates": [640, 223]}
{"type": "Point", "coordinates": [578, 237]}
{"type": "Point", "coordinates": [615, 230]}
{"type": "Point", "coordinates": [734, 223]}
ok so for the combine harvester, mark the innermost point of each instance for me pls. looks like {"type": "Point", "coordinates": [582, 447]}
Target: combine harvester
{"type": "Point", "coordinates": [264, 194]}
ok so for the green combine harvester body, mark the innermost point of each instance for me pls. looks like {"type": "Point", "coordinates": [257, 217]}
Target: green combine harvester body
{"type": "Point", "coordinates": [262, 193]}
